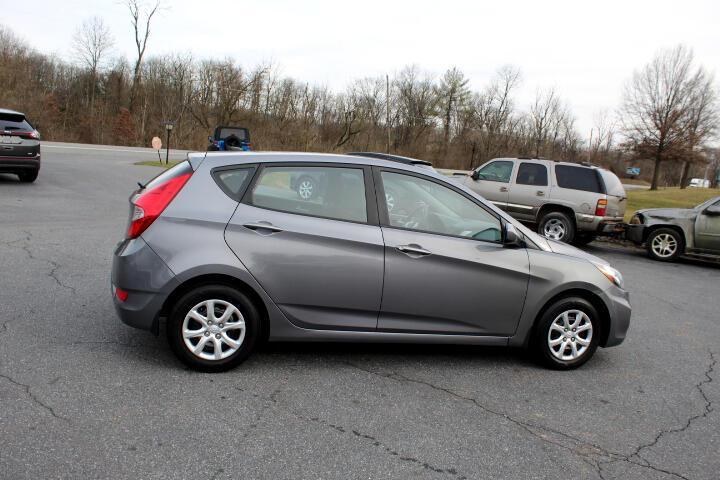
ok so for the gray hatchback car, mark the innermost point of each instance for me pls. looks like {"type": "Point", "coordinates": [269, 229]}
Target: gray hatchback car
{"type": "Point", "coordinates": [223, 249]}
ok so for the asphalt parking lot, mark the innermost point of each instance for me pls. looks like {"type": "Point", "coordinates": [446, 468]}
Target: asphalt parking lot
{"type": "Point", "coordinates": [84, 396]}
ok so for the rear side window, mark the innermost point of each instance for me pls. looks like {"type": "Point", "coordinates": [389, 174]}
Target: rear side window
{"type": "Point", "coordinates": [613, 185]}
{"type": "Point", "coordinates": [233, 181]}
{"type": "Point", "coordinates": [330, 192]}
{"type": "Point", "coordinates": [532, 174]}
{"type": "Point", "coordinates": [578, 178]}
{"type": "Point", "coordinates": [14, 121]}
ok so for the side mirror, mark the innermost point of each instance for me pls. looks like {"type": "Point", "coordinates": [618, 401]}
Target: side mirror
{"type": "Point", "coordinates": [712, 211]}
{"type": "Point", "coordinates": [511, 236]}
{"type": "Point", "coordinates": [475, 175]}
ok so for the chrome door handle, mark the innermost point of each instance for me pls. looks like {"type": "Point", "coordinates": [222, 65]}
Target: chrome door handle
{"type": "Point", "coordinates": [540, 193]}
{"type": "Point", "coordinates": [413, 249]}
{"type": "Point", "coordinates": [263, 226]}
{"type": "Point", "coordinates": [503, 189]}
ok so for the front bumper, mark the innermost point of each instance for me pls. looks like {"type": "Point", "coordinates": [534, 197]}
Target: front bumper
{"type": "Point", "coordinates": [138, 270]}
{"type": "Point", "coordinates": [635, 233]}
{"type": "Point", "coordinates": [618, 303]}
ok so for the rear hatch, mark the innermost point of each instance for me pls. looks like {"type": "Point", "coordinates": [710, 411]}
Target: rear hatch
{"type": "Point", "coordinates": [18, 139]}
{"type": "Point", "coordinates": [616, 196]}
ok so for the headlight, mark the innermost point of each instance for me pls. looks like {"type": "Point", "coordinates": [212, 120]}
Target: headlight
{"type": "Point", "coordinates": [613, 275]}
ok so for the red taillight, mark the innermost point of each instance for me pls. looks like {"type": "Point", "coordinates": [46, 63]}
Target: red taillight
{"type": "Point", "coordinates": [121, 294]}
{"type": "Point", "coordinates": [150, 204]}
{"type": "Point", "coordinates": [601, 208]}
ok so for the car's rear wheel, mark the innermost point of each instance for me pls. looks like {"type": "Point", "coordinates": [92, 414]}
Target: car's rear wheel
{"type": "Point", "coordinates": [557, 226]}
{"type": "Point", "coordinates": [213, 328]}
{"type": "Point", "coordinates": [567, 334]}
{"type": "Point", "coordinates": [28, 177]}
{"type": "Point", "coordinates": [665, 244]}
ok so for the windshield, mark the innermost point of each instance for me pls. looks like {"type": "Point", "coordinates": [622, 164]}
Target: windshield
{"type": "Point", "coordinates": [707, 203]}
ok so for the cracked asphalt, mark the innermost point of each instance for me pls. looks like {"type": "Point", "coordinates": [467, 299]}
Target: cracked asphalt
{"type": "Point", "coordinates": [84, 396]}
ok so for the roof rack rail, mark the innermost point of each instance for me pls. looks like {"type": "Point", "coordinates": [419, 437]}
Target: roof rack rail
{"type": "Point", "coordinates": [391, 157]}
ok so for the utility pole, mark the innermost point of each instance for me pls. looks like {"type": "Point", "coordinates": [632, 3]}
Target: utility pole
{"type": "Point", "coordinates": [387, 110]}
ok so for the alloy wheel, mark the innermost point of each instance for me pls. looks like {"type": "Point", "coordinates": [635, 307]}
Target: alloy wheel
{"type": "Point", "coordinates": [570, 335]}
{"type": "Point", "coordinates": [554, 229]}
{"type": "Point", "coordinates": [305, 189]}
{"type": "Point", "coordinates": [664, 245]}
{"type": "Point", "coordinates": [213, 329]}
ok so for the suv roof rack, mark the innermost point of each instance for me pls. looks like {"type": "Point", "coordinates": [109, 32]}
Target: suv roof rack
{"type": "Point", "coordinates": [391, 157]}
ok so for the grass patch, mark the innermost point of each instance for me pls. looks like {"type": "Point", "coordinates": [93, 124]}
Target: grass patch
{"type": "Point", "coordinates": [667, 198]}
{"type": "Point", "coordinates": [155, 163]}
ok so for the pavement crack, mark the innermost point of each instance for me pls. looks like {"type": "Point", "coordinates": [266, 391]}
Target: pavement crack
{"type": "Point", "coordinates": [707, 409]}
{"type": "Point", "coordinates": [54, 266]}
{"type": "Point", "coordinates": [33, 397]}
{"type": "Point", "coordinates": [590, 453]}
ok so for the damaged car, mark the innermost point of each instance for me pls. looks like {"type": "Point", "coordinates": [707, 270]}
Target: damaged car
{"type": "Point", "coordinates": [668, 233]}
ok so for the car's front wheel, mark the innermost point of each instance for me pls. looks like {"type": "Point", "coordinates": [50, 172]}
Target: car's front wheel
{"type": "Point", "coordinates": [568, 333]}
{"type": "Point", "coordinates": [665, 244]}
{"type": "Point", "coordinates": [213, 328]}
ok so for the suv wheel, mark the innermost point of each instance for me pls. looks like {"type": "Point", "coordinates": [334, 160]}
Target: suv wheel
{"type": "Point", "coordinates": [213, 328]}
{"type": "Point", "coordinates": [557, 226]}
{"type": "Point", "coordinates": [28, 177]}
{"type": "Point", "coordinates": [665, 244]}
{"type": "Point", "coordinates": [306, 188]}
{"type": "Point", "coordinates": [568, 333]}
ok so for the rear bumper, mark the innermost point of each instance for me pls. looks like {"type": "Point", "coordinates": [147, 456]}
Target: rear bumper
{"type": "Point", "coordinates": [618, 303]}
{"type": "Point", "coordinates": [599, 225]}
{"type": "Point", "coordinates": [138, 270]}
{"type": "Point", "coordinates": [18, 164]}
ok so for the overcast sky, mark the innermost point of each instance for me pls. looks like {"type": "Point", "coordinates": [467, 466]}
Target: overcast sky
{"type": "Point", "coordinates": [587, 50]}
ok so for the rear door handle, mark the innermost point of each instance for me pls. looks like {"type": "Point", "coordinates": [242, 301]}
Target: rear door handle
{"type": "Point", "coordinates": [413, 249]}
{"type": "Point", "coordinates": [503, 189]}
{"type": "Point", "coordinates": [263, 226]}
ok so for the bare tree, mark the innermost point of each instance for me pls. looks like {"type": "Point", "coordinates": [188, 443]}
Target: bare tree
{"type": "Point", "coordinates": [658, 107]}
{"type": "Point", "coordinates": [91, 45]}
{"type": "Point", "coordinates": [140, 15]}
{"type": "Point", "coordinates": [702, 122]}
{"type": "Point", "coordinates": [452, 93]}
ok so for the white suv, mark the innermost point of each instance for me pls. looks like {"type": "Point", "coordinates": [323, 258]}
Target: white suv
{"type": "Point", "coordinates": [568, 202]}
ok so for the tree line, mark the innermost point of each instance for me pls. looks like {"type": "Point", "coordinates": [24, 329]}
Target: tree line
{"type": "Point", "coordinates": [665, 124]}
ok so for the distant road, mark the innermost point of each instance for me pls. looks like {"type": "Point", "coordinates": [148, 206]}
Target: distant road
{"type": "Point", "coordinates": [82, 149]}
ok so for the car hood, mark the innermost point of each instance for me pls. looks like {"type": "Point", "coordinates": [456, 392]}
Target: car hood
{"type": "Point", "coordinates": [570, 251]}
{"type": "Point", "coordinates": [667, 213]}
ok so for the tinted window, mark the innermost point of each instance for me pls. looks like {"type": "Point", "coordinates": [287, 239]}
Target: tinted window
{"type": "Point", "coordinates": [532, 174]}
{"type": "Point", "coordinates": [426, 206]}
{"type": "Point", "coordinates": [578, 178]}
{"type": "Point", "coordinates": [496, 171]}
{"type": "Point", "coordinates": [234, 182]}
{"type": "Point", "coordinates": [613, 185]}
{"type": "Point", "coordinates": [331, 192]}
{"type": "Point", "coordinates": [14, 121]}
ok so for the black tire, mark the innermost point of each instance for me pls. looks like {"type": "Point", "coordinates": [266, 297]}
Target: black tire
{"type": "Point", "coordinates": [563, 221]}
{"type": "Point", "coordinates": [540, 340]}
{"type": "Point", "coordinates": [583, 239]}
{"type": "Point", "coordinates": [313, 188]}
{"type": "Point", "coordinates": [28, 177]}
{"type": "Point", "coordinates": [654, 242]}
{"type": "Point", "coordinates": [213, 292]}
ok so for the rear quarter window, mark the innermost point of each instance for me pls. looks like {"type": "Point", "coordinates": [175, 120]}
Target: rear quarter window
{"type": "Point", "coordinates": [613, 185]}
{"type": "Point", "coordinates": [578, 178]}
{"type": "Point", "coordinates": [233, 181]}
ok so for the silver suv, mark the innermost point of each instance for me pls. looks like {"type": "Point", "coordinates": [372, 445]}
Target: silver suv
{"type": "Point", "coordinates": [568, 202]}
{"type": "Point", "coordinates": [224, 249]}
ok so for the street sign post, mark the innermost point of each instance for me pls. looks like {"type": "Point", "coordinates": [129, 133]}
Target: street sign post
{"type": "Point", "coordinates": [157, 145]}
{"type": "Point", "coordinates": [169, 124]}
